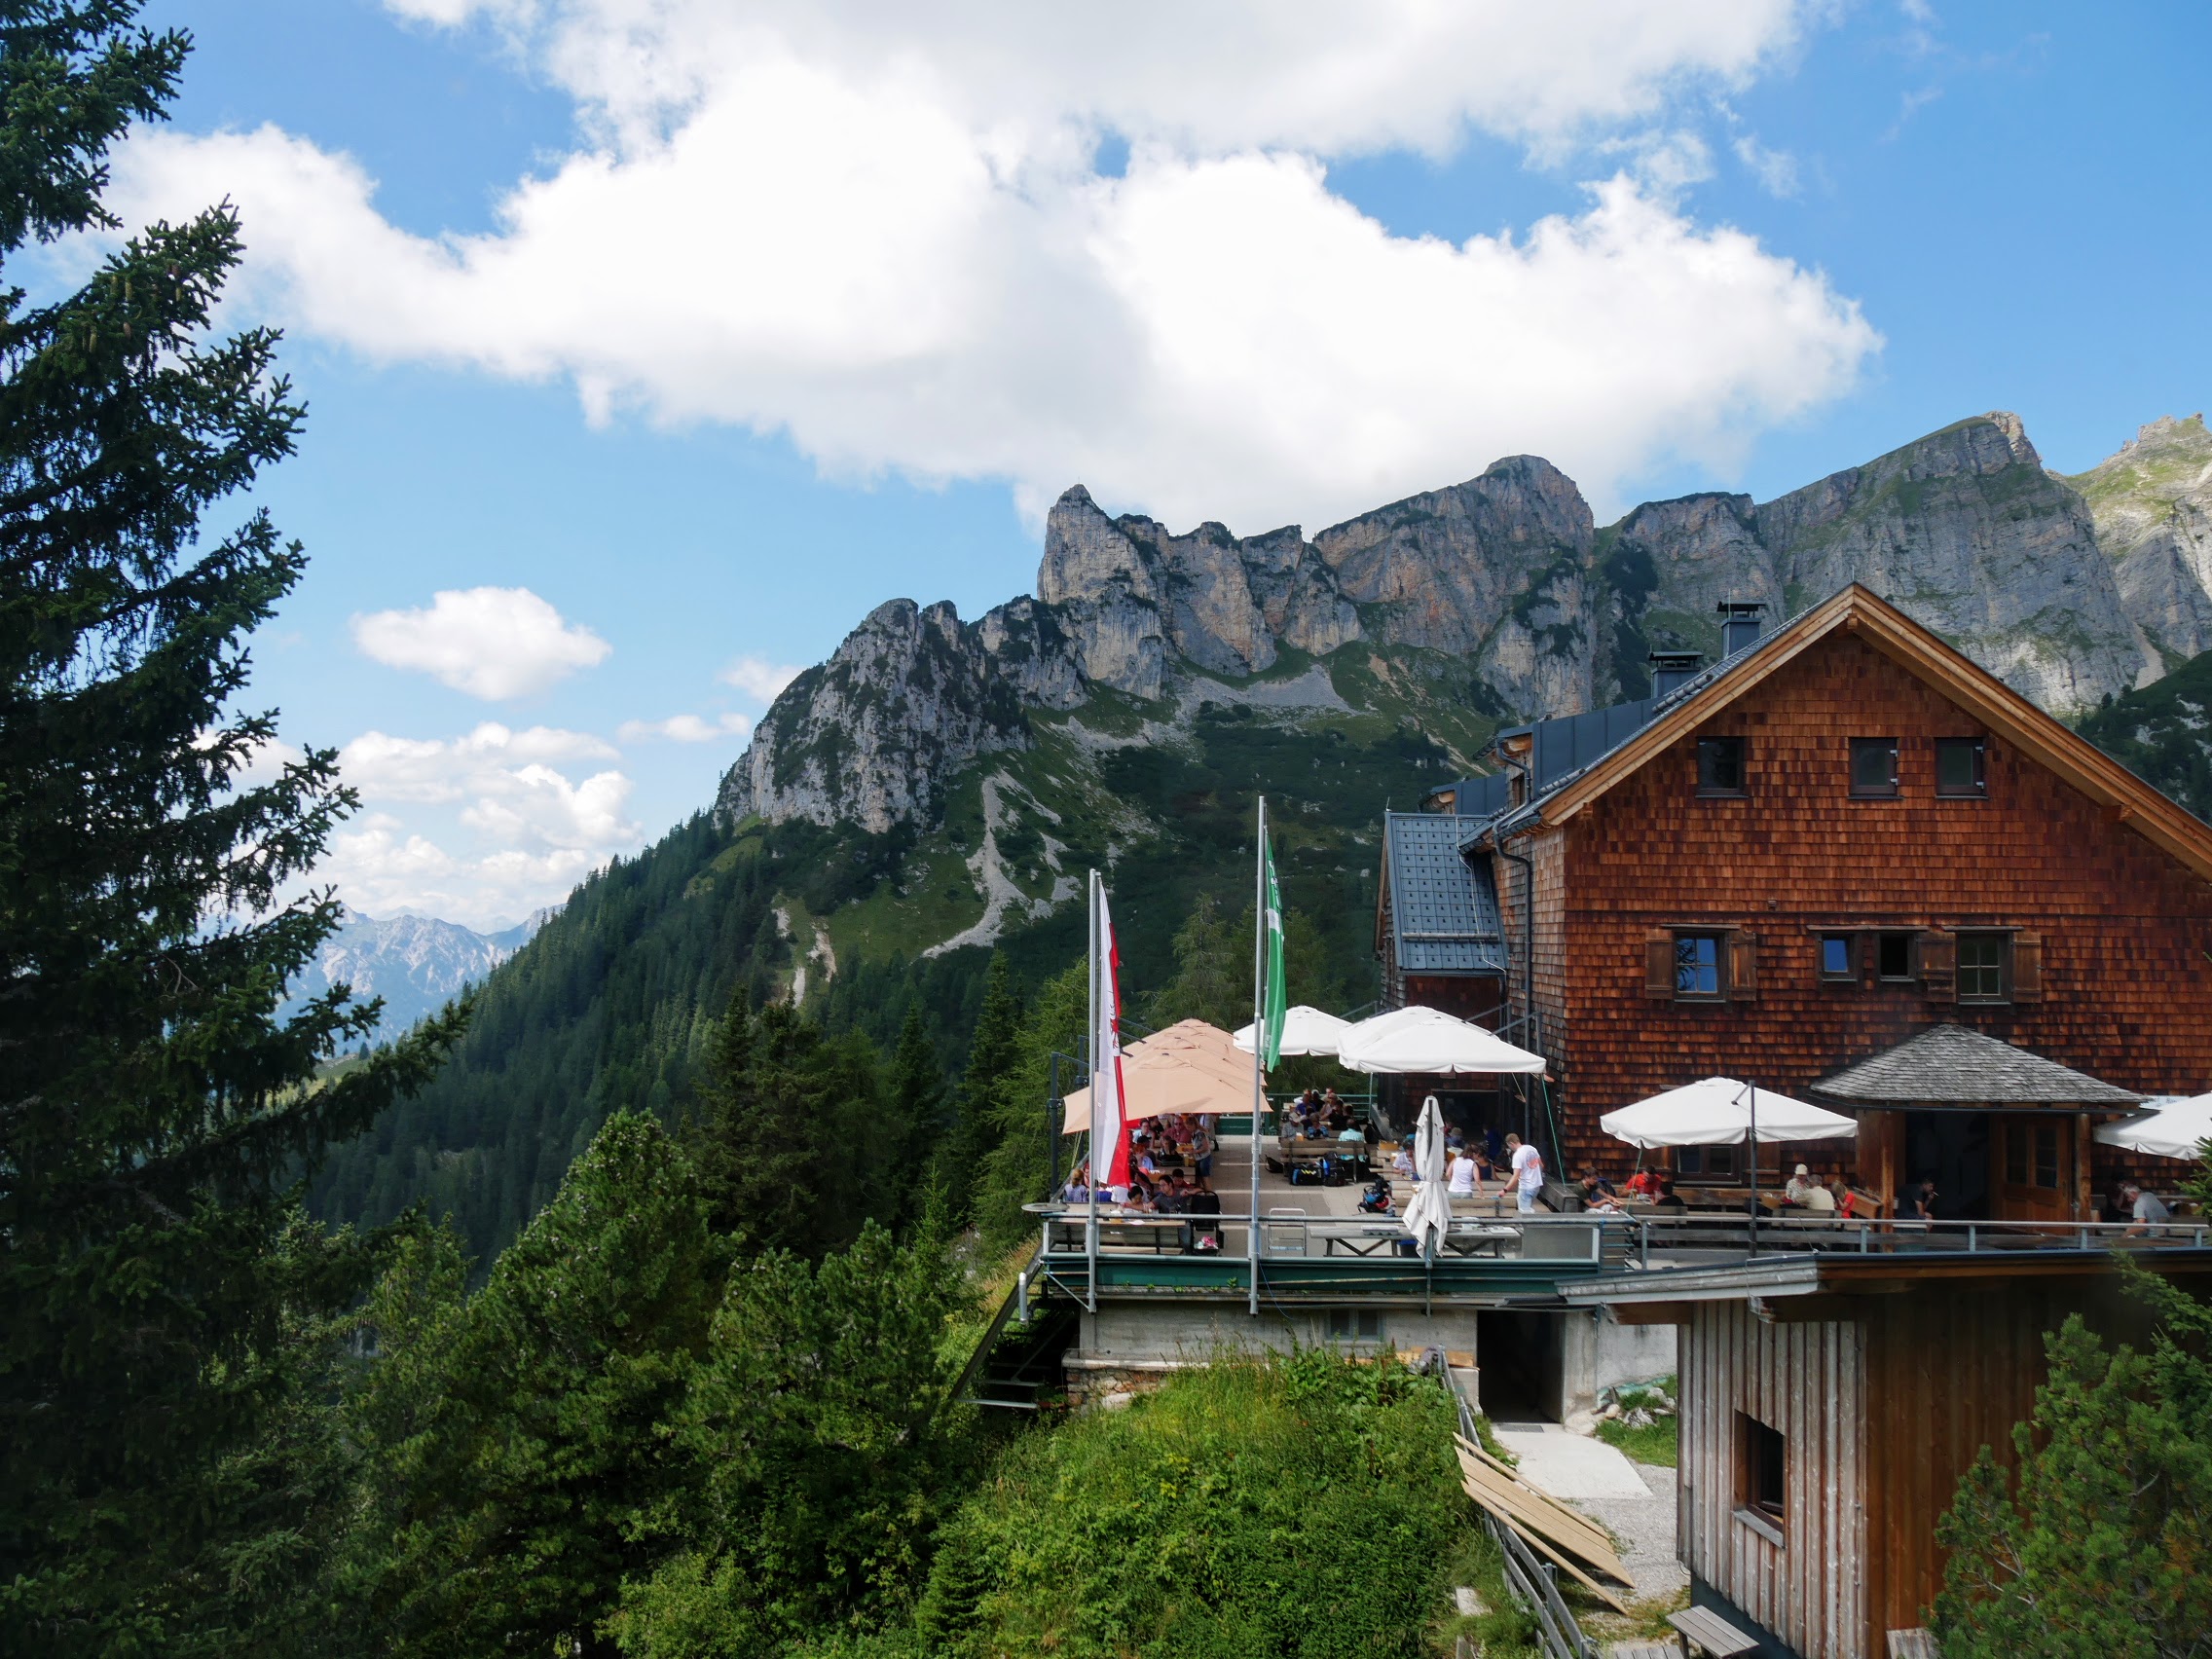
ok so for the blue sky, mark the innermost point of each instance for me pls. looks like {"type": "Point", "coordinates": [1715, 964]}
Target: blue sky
{"type": "Point", "coordinates": [810, 307]}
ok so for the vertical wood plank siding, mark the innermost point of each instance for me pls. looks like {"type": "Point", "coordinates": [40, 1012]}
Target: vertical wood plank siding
{"type": "Point", "coordinates": [1882, 1415]}
{"type": "Point", "coordinates": [2126, 929]}
{"type": "Point", "coordinates": [1805, 1381]}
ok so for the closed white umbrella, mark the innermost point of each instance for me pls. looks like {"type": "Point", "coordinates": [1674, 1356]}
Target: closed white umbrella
{"type": "Point", "coordinates": [1718, 1111]}
{"type": "Point", "coordinates": [1426, 1041]}
{"type": "Point", "coordinates": [2165, 1128]}
{"type": "Point", "coordinates": [1430, 1216]}
{"type": "Point", "coordinates": [1304, 1031]}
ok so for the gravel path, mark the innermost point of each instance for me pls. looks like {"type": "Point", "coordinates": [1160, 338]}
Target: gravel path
{"type": "Point", "coordinates": [1645, 1527]}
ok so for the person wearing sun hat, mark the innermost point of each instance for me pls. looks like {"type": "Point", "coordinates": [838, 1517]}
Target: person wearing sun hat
{"type": "Point", "coordinates": [1801, 1183]}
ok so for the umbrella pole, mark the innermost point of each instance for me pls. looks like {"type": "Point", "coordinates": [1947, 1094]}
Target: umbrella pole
{"type": "Point", "coordinates": [1753, 1090]}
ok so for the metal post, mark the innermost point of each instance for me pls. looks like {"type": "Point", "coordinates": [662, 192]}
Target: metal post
{"type": "Point", "coordinates": [1753, 1090]}
{"type": "Point", "coordinates": [1090, 1223]}
{"type": "Point", "coordinates": [1259, 1035]}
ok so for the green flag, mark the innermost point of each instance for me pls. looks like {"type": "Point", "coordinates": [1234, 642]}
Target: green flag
{"type": "Point", "coordinates": [1275, 1002]}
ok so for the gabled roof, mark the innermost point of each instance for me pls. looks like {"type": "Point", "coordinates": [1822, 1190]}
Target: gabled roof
{"type": "Point", "coordinates": [1951, 1065]}
{"type": "Point", "coordinates": [1444, 914]}
{"type": "Point", "coordinates": [1919, 652]}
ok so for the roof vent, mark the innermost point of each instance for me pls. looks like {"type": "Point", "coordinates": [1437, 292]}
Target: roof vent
{"type": "Point", "coordinates": [1670, 671]}
{"type": "Point", "coordinates": [1739, 625]}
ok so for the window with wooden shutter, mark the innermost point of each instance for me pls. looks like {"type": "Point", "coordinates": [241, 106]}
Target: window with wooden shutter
{"type": "Point", "coordinates": [2027, 968]}
{"type": "Point", "coordinates": [1743, 967]}
{"type": "Point", "coordinates": [1936, 962]}
{"type": "Point", "coordinates": [1659, 966]}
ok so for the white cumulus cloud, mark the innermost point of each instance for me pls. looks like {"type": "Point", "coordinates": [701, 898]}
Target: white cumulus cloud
{"type": "Point", "coordinates": [759, 678]}
{"type": "Point", "coordinates": [519, 825]}
{"type": "Point", "coordinates": [879, 230]}
{"type": "Point", "coordinates": [492, 643]}
{"type": "Point", "coordinates": [685, 728]}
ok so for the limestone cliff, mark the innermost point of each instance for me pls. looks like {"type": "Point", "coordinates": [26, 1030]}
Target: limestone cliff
{"type": "Point", "coordinates": [1506, 576]}
{"type": "Point", "coordinates": [1963, 529]}
{"type": "Point", "coordinates": [2153, 507]}
{"type": "Point", "coordinates": [872, 736]}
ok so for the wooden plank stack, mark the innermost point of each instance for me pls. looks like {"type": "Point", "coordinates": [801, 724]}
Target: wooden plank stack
{"type": "Point", "coordinates": [1566, 1537]}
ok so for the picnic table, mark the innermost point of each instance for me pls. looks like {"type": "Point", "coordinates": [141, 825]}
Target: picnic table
{"type": "Point", "coordinates": [1374, 1238]}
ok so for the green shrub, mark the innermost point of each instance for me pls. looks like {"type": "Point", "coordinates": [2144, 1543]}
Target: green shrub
{"type": "Point", "coordinates": [1303, 1506]}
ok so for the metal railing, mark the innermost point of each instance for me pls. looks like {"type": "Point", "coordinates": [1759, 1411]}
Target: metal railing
{"type": "Point", "coordinates": [1592, 1240]}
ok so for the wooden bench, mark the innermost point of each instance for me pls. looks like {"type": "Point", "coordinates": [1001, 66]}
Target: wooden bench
{"type": "Point", "coordinates": [1704, 1629]}
{"type": "Point", "coordinates": [1157, 1234]}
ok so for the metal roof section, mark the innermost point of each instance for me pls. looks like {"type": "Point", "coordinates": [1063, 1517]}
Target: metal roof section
{"type": "Point", "coordinates": [1444, 912]}
{"type": "Point", "coordinates": [1952, 1065]}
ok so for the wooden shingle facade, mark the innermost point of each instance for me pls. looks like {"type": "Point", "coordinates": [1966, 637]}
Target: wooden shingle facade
{"type": "Point", "coordinates": [1843, 837]}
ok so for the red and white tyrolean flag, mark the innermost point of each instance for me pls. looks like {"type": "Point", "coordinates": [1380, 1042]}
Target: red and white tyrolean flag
{"type": "Point", "coordinates": [1109, 1136]}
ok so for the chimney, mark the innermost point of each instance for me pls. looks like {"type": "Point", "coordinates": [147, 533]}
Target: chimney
{"type": "Point", "coordinates": [1670, 671]}
{"type": "Point", "coordinates": [1739, 625]}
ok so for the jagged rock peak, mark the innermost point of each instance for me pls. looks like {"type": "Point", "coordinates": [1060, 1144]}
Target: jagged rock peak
{"type": "Point", "coordinates": [873, 736]}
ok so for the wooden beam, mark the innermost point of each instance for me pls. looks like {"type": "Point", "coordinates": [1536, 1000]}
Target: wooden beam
{"type": "Point", "coordinates": [1650, 1313]}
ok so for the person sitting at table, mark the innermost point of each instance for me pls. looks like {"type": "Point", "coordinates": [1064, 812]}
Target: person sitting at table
{"type": "Point", "coordinates": [1336, 1117]}
{"type": "Point", "coordinates": [1459, 1176]}
{"type": "Point", "coordinates": [2145, 1210]}
{"type": "Point", "coordinates": [1078, 1189]}
{"type": "Point", "coordinates": [1454, 1139]}
{"type": "Point", "coordinates": [1172, 1196]}
{"type": "Point", "coordinates": [1816, 1199]}
{"type": "Point", "coordinates": [1402, 1162]}
{"type": "Point", "coordinates": [1667, 1197]}
{"type": "Point", "coordinates": [1598, 1192]}
{"type": "Point", "coordinates": [1353, 1132]}
{"type": "Point", "coordinates": [1800, 1182]}
{"type": "Point", "coordinates": [1645, 1184]}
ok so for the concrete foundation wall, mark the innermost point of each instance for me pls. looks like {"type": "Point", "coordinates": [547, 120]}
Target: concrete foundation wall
{"type": "Point", "coordinates": [1562, 1360]}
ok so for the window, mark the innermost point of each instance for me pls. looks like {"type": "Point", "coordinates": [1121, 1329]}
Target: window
{"type": "Point", "coordinates": [1354, 1325]}
{"type": "Point", "coordinates": [1720, 766]}
{"type": "Point", "coordinates": [1838, 959]}
{"type": "Point", "coordinates": [2031, 1155]}
{"type": "Point", "coordinates": [1893, 956]}
{"type": "Point", "coordinates": [1873, 765]}
{"type": "Point", "coordinates": [1698, 973]}
{"type": "Point", "coordinates": [1959, 767]}
{"type": "Point", "coordinates": [1715, 1162]}
{"type": "Point", "coordinates": [1762, 1475]}
{"type": "Point", "coordinates": [1981, 966]}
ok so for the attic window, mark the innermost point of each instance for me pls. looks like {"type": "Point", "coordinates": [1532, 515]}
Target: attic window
{"type": "Point", "coordinates": [1960, 766]}
{"type": "Point", "coordinates": [1873, 767]}
{"type": "Point", "coordinates": [1720, 766]}
{"type": "Point", "coordinates": [1893, 956]}
{"type": "Point", "coordinates": [1839, 958]}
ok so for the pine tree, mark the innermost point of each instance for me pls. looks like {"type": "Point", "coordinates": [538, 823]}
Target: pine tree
{"type": "Point", "coordinates": [975, 1128]}
{"type": "Point", "coordinates": [912, 1119]}
{"type": "Point", "coordinates": [2099, 1543]}
{"type": "Point", "coordinates": [1213, 972]}
{"type": "Point", "coordinates": [155, 1111]}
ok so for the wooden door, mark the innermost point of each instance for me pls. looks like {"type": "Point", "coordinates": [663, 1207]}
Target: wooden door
{"type": "Point", "coordinates": [2030, 1167]}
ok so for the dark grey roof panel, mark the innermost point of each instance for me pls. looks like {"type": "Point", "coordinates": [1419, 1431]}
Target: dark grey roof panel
{"type": "Point", "coordinates": [1564, 747]}
{"type": "Point", "coordinates": [1443, 909]}
{"type": "Point", "coordinates": [1951, 1065]}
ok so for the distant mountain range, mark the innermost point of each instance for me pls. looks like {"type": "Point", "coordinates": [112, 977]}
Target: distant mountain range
{"type": "Point", "coordinates": [417, 964]}
{"type": "Point", "coordinates": [937, 789]}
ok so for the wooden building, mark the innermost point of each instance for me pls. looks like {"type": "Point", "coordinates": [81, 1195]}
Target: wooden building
{"type": "Point", "coordinates": [1830, 1404]}
{"type": "Point", "coordinates": [1841, 836]}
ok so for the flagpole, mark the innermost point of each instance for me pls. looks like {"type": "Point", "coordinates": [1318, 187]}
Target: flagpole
{"type": "Point", "coordinates": [1259, 1031]}
{"type": "Point", "coordinates": [1090, 1223]}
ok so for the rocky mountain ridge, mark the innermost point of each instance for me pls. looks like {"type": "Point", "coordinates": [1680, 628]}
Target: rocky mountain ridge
{"type": "Point", "coordinates": [417, 964]}
{"type": "Point", "coordinates": [2074, 591]}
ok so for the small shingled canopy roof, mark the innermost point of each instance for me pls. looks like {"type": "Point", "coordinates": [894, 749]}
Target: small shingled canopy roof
{"type": "Point", "coordinates": [1950, 1065]}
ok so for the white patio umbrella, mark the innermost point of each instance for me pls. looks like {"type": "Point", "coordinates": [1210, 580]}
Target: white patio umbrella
{"type": "Point", "coordinates": [1430, 1216]}
{"type": "Point", "coordinates": [1426, 1041]}
{"type": "Point", "coordinates": [1304, 1031]}
{"type": "Point", "coordinates": [2176, 1127]}
{"type": "Point", "coordinates": [1718, 1111]}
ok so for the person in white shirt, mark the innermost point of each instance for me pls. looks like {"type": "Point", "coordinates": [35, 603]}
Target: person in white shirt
{"type": "Point", "coordinates": [1527, 1166]}
{"type": "Point", "coordinates": [1799, 1185]}
{"type": "Point", "coordinates": [1463, 1183]}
